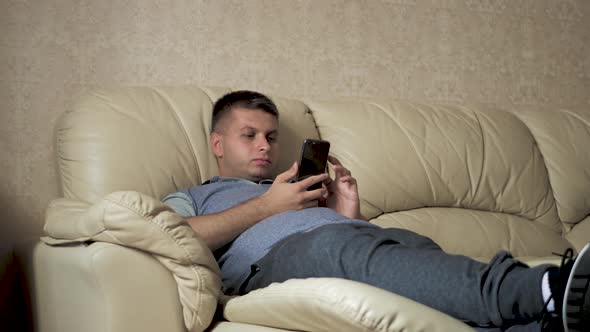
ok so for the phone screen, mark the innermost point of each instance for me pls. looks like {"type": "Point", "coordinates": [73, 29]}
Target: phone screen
{"type": "Point", "coordinates": [314, 157]}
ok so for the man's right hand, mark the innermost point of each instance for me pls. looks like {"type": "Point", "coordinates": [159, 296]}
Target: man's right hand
{"type": "Point", "coordinates": [220, 228]}
{"type": "Point", "coordinates": [284, 196]}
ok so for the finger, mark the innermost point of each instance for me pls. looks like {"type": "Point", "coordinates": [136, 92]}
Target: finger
{"type": "Point", "coordinates": [305, 183]}
{"type": "Point", "coordinates": [288, 174]}
{"type": "Point", "coordinates": [333, 160]}
{"type": "Point", "coordinates": [340, 171]}
{"type": "Point", "coordinates": [328, 181]}
{"type": "Point", "coordinates": [348, 178]}
{"type": "Point", "coordinates": [329, 188]}
{"type": "Point", "coordinates": [316, 194]}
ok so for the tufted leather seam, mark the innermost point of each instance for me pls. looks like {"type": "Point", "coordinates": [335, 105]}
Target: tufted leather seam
{"type": "Point", "coordinates": [483, 161]}
{"type": "Point", "coordinates": [101, 293]}
{"type": "Point", "coordinates": [180, 124]}
{"type": "Point", "coordinates": [549, 192]}
{"type": "Point", "coordinates": [385, 111]}
{"type": "Point", "coordinates": [576, 116]}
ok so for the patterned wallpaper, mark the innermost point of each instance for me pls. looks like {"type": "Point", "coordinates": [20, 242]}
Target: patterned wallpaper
{"type": "Point", "coordinates": [506, 52]}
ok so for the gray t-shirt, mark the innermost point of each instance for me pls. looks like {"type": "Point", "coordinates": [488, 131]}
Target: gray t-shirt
{"type": "Point", "coordinates": [236, 258]}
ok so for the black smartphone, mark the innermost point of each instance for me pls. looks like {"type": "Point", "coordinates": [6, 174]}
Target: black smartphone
{"type": "Point", "coordinates": [314, 158]}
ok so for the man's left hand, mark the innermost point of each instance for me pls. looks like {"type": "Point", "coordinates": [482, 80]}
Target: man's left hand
{"type": "Point", "coordinates": [342, 194]}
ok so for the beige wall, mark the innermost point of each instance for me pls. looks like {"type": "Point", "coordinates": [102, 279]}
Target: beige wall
{"type": "Point", "coordinates": [508, 52]}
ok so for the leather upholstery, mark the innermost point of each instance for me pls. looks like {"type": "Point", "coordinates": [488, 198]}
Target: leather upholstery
{"type": "Point", "coordinates": [476, 179]}
{"type": "Point", "coordinates": [101, 287]}
{"type": "Point", "coordinates": [141, 222]}
{"type": "Point", "coordinates": [151, 140]}
{"type": "Point", "coordinates": [464, 159]}
{"type": "Point", "coordinates": [560, 135]}
{"type": "Point", "coordinates": [336, 305]}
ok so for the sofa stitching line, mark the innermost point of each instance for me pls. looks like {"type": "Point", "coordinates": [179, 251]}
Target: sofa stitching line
{"type": "Point", "coordinates": [483, 155]}
{"type": "Point", "coordinates": [385, 111]}
{"type": "Point", "coordinates": [100, 285]}
{"type": "Point", "coordinates": [179, 123]}
{"type": "Point", "coordinates": [550, 179]}
{"type": "Point", "coordinates": [577, 116]}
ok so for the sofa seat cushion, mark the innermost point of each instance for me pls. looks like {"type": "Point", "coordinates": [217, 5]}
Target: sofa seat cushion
{"type": "Point", "coordinates": [478, 233]}
{"type": "Point", "coordinates": [331, 304]}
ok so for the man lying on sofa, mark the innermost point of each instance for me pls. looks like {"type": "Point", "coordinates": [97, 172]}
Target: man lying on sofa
{"type": "Point", "coordinates": [265, 231]}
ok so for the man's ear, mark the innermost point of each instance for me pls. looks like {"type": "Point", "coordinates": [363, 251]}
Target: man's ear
{"type": "Point", "coordinates": [216, 141]}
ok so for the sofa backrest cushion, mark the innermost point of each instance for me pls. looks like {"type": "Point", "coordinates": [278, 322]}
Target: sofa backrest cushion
{"type": "Point", "coordinates": [563, 137]}
{"type": "Point", "coordinates": [152, 140]}
{"type": "Point", "coordinates": [410, 158]}
{"type": "Point", "coordinates": [410, 155]}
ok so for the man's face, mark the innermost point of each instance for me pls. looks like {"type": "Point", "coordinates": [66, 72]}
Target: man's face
{"type": "Point", "coordinates": [246, 144]}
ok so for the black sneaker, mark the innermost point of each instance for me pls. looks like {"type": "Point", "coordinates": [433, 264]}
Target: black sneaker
{"type": "Point", "coordinates": [572, 295]}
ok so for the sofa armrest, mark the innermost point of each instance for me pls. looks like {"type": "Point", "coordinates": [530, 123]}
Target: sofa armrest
{"type": "Point", "coordinates": [136, 220]}
{"type": "Point", "coordinates": [100, 287]}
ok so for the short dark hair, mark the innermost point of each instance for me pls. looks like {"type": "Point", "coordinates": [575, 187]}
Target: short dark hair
{"type": "Point", "coordinates": [242, 99]}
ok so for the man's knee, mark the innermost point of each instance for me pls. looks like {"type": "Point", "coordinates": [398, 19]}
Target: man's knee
{"type": "Point", "coordinates": [410, 239]}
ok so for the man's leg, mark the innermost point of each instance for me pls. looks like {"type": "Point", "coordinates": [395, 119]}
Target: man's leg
{"type": "Point", "coordinates": [499, 293]}
{"type": "Point", "coordinates": [534, 326]}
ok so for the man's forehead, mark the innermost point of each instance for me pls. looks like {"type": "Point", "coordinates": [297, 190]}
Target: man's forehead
{"type": "Point", "coordinates": [249, 112]}
{"type": "Point", "coordinates": [256, 119]}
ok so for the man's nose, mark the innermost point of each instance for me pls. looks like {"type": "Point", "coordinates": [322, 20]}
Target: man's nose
{"type": "Point", "coordinates": [263, 144]}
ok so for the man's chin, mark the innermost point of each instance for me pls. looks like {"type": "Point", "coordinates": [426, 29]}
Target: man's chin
{"type": "Point", "coordinates": [261, 174]}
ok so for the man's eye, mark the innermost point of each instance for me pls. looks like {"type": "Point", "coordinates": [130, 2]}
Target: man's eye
{"type": "Point", "coordinates": [271, 139]}
{"type": "Point", "coordinates": [248, 135]}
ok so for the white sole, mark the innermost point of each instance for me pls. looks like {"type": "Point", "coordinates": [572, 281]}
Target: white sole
{"type": "Point", "coordinates": [578, 278]}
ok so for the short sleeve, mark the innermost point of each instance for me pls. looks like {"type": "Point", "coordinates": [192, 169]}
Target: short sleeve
{"type": "Point", "coordinates": [181, 203]}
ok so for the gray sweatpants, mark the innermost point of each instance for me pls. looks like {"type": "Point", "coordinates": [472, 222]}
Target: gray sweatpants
{"type": "Point", "coordinates": [502, 293]}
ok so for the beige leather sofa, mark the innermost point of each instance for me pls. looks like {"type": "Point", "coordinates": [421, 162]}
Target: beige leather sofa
{"type": "Point", "coordinates": [474, 178]}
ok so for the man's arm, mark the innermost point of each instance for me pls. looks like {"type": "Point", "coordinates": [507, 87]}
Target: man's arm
{"type": "Point", "coordinates": [221, 228]}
